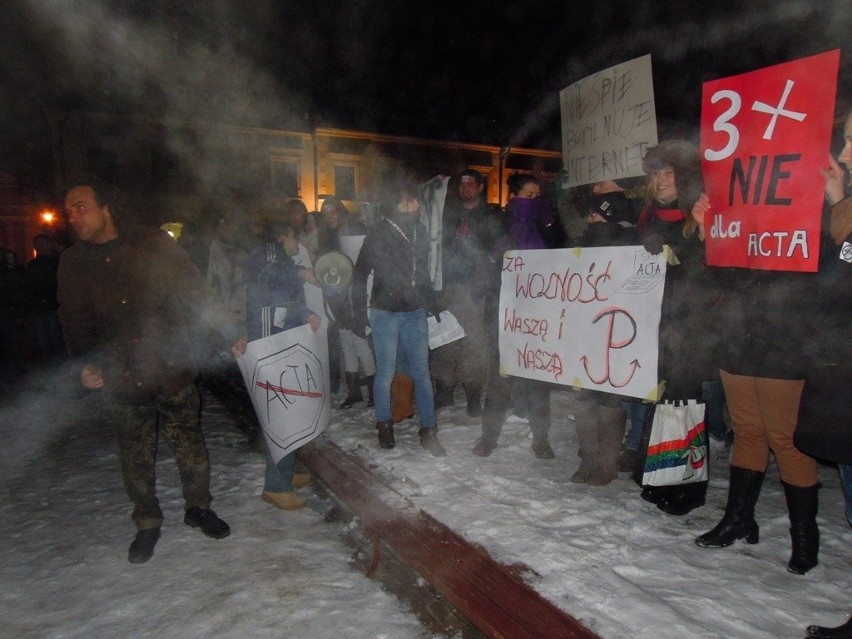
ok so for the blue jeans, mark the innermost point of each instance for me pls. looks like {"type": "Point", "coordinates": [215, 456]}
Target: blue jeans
{"type": "Point", "coordinates": [846, 482]}
{"type": "Point", "coordinates": [636, 413]}
{"type": "Point", "coordinates": [278, 478]}
{"type": "Point", "coordinates": [410, 331]}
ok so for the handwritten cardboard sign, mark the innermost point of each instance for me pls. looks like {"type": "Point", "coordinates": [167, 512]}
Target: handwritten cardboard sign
{"type": "Point", "coordinates": [764, 136]}
{"type": "Point", "coordinates": [287, 378]}
{"type": "Point", "coordinates": [585, 317]}
{"type": "Point", "coordinates": [608, 122]}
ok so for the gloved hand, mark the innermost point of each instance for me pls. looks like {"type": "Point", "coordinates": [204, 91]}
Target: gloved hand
{"type": "Point", "coordinates": [653, 243]}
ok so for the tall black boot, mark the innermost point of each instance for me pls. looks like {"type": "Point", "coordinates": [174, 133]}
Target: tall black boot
{"type": "Point", "coordinates": [473, 392]}
{"type": "Point", "coordinates": [368, 380]}
{"type": "Point", "coordinates": [843, 631]}
{"type": "Point", "coordinates": [802, 506]}
{"type": "Point", "coordinates": [738, 521]}
{"type": "Point", "coordinates": [353, 381]}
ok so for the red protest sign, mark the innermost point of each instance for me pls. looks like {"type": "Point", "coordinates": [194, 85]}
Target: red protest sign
{"type": "Point", "coordinates": [764, 136]}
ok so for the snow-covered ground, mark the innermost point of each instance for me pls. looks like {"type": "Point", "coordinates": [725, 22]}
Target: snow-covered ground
{"type": "Point", "coordinates": [603, 555]}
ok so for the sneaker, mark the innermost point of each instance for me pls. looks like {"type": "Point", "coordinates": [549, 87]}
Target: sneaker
{"type": "Point", "coordinates": [517, 419]}
{"type": "Point", "coordinates": [429, 441]}
{"type": "Point", "coordinates": [300, 480]}
{"type": "Point", "coordinates": [484, 447]}
{"type": "Point", "coordinates": [283, 501]}
{"type": "Point", "coordinates": [142, 547]}
{"type": "Point", "coordinates": [542, 449]}
{"type": "Point", "coordinates": [207, 520]}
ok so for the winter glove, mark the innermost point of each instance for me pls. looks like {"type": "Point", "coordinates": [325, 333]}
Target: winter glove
{"type": "Point", "coordinates": [653, 243]}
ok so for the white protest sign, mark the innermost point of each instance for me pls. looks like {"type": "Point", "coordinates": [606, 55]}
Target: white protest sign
{"type": "Point", "coordinates": [608, 122]}
{"type": "Point", "coordinates": [287, 378]}
{"type": "Point", "coordinates": [584, 317]}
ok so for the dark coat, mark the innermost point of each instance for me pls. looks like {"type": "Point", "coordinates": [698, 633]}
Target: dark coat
{"type": "Point", "coordinates": [689, 343]}
{"type": "Point", "coordinates": [824, 429]}
{"type": "Point", "coordinates": [400, 271]}
{"type": "Point", "coordinates": [125, 305]}
{"type": "Point", "coordinates": [763, 321]}
{"type": "Point", "coordinates": [468, 237]}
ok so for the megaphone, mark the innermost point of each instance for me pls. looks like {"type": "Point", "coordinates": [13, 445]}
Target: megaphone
{"type": "Point", "coordinates": [334, 271]}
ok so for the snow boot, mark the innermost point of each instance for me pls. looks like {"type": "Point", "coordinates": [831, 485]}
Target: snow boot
{"type": "Point", "coordinates": [402, 388]}
{"type": "Point", "coordinates": [429, 441]}
{"type": "Point", "coordinates": [610, 433]}
{"type": "Point", "coordinates": [369, 380]}
{"type": "Point", "coordinates": [283, 501]}
{"type": "Point", "coordinates": [587, 425]}
{"type": "Point", "coordinates": [142, 547]}
{"type": "Point", "coordinates": [684, 498]}
{"type": "Point", "coordinates": [738, 521]}
{"type": "Point", "coordinates": [353, 382]}
{"type": "Point", "coordinates": [802, 506]}
{"type": "Point", "coordinates": [386, 439]}
{"type": "Point", "coordinates": [628, 461]}
{"type": "Point", "coordinates": [484, 446]}
{"type": "Point", "coordinates": [843, 631]}
{"type": "Point", "coordinates": [541, 448]}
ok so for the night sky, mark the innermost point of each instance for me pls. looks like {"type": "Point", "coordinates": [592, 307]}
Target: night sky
{"type": "Point", "coordinates": [470, 71]}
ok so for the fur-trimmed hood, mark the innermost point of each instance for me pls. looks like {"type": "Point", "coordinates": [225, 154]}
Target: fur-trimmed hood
{"type": "Point", "coordinates": [685, 160]}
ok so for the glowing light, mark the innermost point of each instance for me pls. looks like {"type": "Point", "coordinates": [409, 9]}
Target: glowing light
{"type": "Point", "coordinates": [173, 229]}
{"type": "Point", "coordinates": [48, 217]}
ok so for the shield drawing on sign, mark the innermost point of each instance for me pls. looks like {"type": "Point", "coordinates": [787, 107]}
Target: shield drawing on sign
{"type": "Point", "coordinates": [287, 378]}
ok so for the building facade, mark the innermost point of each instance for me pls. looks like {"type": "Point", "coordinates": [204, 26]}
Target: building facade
{"type": "Point", "coordinates": [176, 170]}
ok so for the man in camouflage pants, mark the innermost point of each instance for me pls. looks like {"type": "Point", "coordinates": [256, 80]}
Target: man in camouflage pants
{"type": "Point", "coordinates": [124, 293]}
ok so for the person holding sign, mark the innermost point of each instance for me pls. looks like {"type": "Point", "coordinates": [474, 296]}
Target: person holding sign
{"type": "Point", "coordinates": [600, 416]}
{"type": "Point", "coordinates": [396, 252]}
{"type": "Point", "coordinates": [688, 347]}
{"type": "Point", "coordinates": [275, 301]}
{"type": "Point", "coordinates": [525, 206]}
{"type": "Point", "coordinates": [763, 365]}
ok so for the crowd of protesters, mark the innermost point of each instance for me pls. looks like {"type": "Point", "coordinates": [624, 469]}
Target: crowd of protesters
{"type": "Point", "coordinates": [759, 368]}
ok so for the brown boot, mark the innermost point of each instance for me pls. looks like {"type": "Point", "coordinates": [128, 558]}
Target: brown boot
{"type": "Point", "coordinates": [402, 388]}
{"type": "Point", "coordinates": [385, 429]}
{"type": "Point", "coordinates": [283, 501]}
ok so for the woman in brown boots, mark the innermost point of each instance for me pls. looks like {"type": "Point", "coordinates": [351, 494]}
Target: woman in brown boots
{"type": "Point", "coordinates": [763, 372]}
